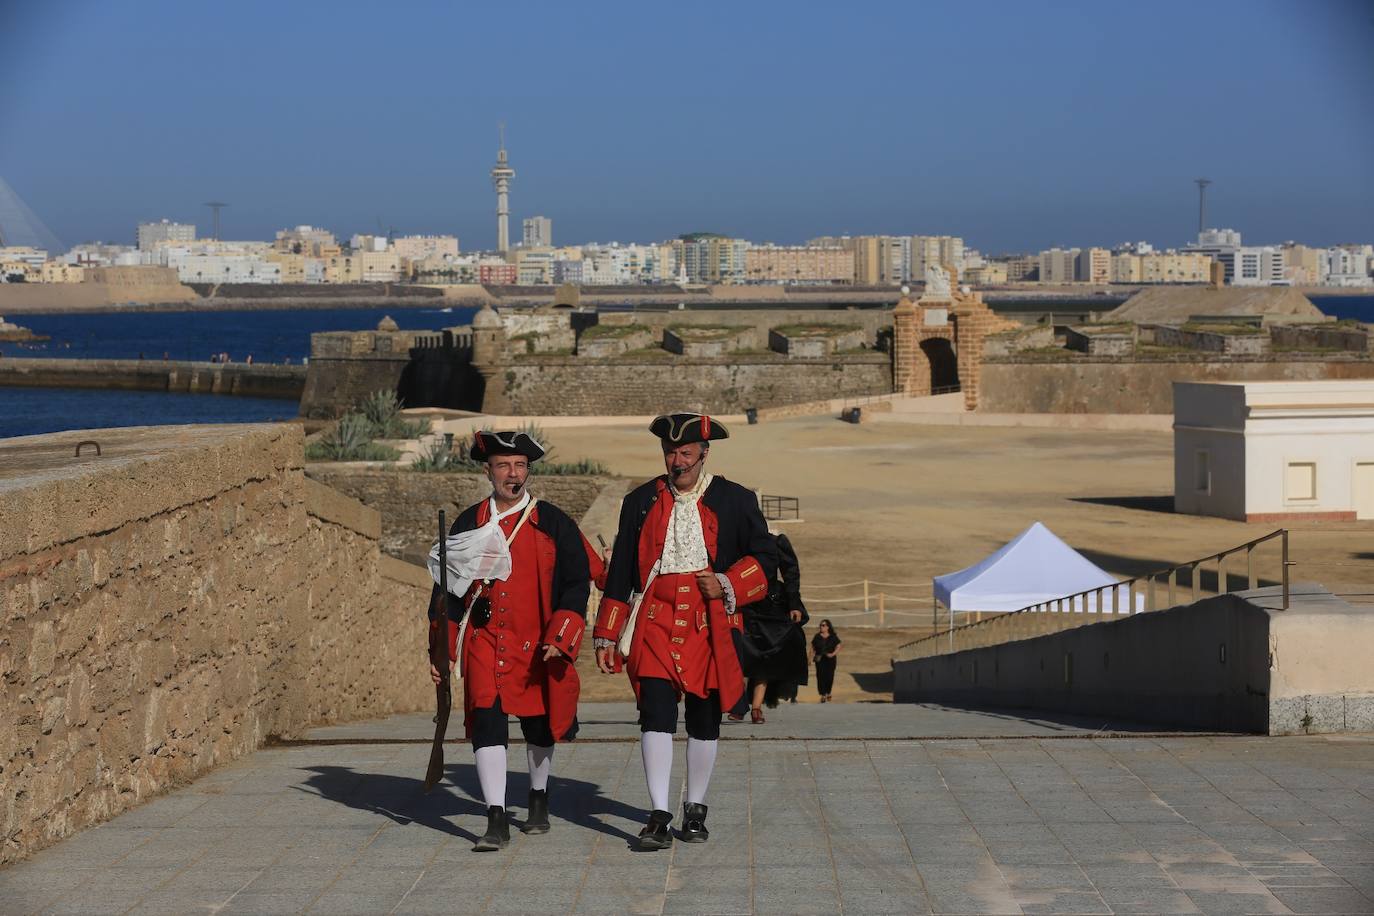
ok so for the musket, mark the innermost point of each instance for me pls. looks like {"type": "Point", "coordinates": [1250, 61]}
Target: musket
{"type": "Point", "coordinates": [443, 691]}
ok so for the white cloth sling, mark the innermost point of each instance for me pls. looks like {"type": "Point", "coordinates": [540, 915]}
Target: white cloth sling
{"type": "Point", "coordinates": [482, 553]}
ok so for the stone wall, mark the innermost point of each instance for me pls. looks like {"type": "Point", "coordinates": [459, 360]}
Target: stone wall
{"type": "Point", "coordinates": [1114, 386]}
{"type": "Point", "coordinates": [409, 502]}
{"type": "Point", "coordinates": [169, 605]}
{"type": "Point", "coordinates": [568, 386]}
{"type": "Point", "coordinates": [260, 380]}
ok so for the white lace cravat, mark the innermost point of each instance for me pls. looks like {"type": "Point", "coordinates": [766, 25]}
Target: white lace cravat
{"type": "Point", "coordinates": [684, 546]}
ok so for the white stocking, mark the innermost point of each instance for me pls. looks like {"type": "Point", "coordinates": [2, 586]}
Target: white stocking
{"type": "Point", "coordinates": [540, 760]}
{"type": "Point", "coordinates": [701, 760]}
{"type": "Point", "coordinates": [491, 773]}
{"type": "Point", "coordinates": [657, 749]}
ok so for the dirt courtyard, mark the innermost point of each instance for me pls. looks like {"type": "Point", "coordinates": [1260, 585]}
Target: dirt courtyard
{"type": "Point", "coordinates": [898, 503]}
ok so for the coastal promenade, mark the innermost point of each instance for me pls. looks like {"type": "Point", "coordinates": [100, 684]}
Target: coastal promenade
{"type": "Point", "coordinates": [249, 380]}
{"type": "Point", "coordinates": [863, 808]}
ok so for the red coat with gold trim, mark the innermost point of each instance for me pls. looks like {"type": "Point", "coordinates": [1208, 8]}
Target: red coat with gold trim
{"type": "Point", "coordinates": [737, 542]}
{"type": "Point", "coordinates": [550, 600]}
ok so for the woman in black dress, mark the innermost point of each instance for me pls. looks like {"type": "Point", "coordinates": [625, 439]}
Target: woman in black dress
{"type": "Point", "coordinates": [773, 651]}
{"type": "Point", "coordinates": [825, 645]}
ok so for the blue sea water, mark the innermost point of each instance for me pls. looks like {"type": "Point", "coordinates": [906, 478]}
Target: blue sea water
{"type": "Point", "coordinates": [270, 336]}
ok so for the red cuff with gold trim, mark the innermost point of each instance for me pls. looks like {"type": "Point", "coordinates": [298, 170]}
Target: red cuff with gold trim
{"type": "Point", "coordinates": [610, 618]}
{"type": "Point", "coordinates": [564, 632]}
{"type": "Point", "coordinates": [747, 579]}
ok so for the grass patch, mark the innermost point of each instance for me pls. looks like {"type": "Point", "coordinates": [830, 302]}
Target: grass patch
{"type": "Point", "coordinates": [610, 331]}
{"type": "Point", "coordinates": [706, 331]}
{"type": "Point", "coordinates": [815, 330]}
{"type": "Point", "coordinates": [1229, 330]}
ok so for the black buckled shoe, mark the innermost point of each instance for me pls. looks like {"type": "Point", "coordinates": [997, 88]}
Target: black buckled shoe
{"type": "Point", "coordinates": [537, 818]}
{"type": "Point", "coordinates": [694, 824]}
{"type": "Point", "coordinates": [498, 831]}
{"type": "Point", "coordinates": [656, 834]}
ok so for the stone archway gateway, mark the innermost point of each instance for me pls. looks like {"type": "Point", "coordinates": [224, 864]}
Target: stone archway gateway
{"type": "Point", "coordinates": [940, 338]}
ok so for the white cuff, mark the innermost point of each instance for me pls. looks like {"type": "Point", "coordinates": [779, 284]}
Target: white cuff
{"type": "Point", "coordinates": [601, 642]}
{"type": "Point", "coordinates": [729, 592]}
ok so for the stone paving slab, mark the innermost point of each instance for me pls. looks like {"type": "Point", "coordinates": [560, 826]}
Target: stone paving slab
{"type": "Point", "coordinates": [1055, 822]}
{"type": "Point", "coordinates": [799, 721]}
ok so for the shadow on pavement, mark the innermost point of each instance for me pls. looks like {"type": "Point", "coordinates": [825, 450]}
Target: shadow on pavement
{"type": "Point", "coordinates": [873, 681]}
{"type": "Point", "coordinates": [403, 799]}
{"type": "Point", "coordinates": [1065, 722]}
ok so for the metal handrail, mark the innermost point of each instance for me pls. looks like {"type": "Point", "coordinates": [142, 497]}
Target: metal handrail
{"type": "Point", "coordinates": [1058, 605]}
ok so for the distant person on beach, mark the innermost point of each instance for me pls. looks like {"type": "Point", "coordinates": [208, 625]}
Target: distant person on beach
{"type": "Point", "coordinates": [774, 648]}
{"type": "Point", "coordinates": [825, 646]}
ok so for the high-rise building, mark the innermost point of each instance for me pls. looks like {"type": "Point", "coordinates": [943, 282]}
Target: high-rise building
{"type": "Point", "coordinates": [1058, 265]}
{"type": "Point", "coordinates": [420, 247]}
{"type": "Point", "coordinates": [538, 232]}
{"type": "Point", "coordinates": [149, 234]}
{"type": "Point", "coordinates": [936, 251]}
{"type": "Point", "coordinates": [798, 264]}
{"type": "Point", "coordinates": [1094, 265]}
{"type": "Point", "coordinates": [501, 175]}
{"type": "Point", "coordinates": [705, 257]}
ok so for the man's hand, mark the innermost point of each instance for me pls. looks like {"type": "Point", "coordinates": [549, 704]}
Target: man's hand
{"type": "Point", "coordinates": [434, 671]}
{"type": "Point", "coordinates": [606, 658]}
{"type": "Point", "coordinates": [709, 585]}
{"type": "Point", "coordinates": [551, 652]}
{"type": "Point", "coordinates": [796, 616]}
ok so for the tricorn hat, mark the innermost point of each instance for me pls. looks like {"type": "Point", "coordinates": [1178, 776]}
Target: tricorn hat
{"type": "Point", "coordinates": [486, 443]}
{"type": "Point", "coordinates": [681, 428]}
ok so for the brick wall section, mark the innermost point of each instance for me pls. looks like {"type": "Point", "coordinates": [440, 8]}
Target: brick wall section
{"type": "Point", "coordinates": [567, 386]}
{"type": "Point", "coordinates": [1113, 386]}
{"type": "Point", "coordinates": [168, 606]}
{"type": "Point", "coordinates": [409, 502]}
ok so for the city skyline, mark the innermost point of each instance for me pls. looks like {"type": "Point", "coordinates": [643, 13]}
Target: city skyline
{"type": "Point", "coordinates": [1098, 135]}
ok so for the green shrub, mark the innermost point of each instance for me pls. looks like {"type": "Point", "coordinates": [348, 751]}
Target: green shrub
{"type": "Point", "coordinates": [382, 411]}
{"type": "Point", "coordinates": [349, 440]}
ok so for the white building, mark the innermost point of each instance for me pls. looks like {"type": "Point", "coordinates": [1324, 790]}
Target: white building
{"type": "Point", "coordinates": [224, 268]}
{"type": "Point", "coordinates": [149, 234]}
{"type": "Point", "coordinates": [538, 232]}
{"type": "Point", "coordinates": [1244, 265]}
{"type": "Point", "coordinates": [1275, 451]}
{"type": "Point", "coordinates": [1347, 266]}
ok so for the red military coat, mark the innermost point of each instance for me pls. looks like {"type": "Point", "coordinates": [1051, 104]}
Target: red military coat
{"type": "Point", "coordinates": [739, 547]}
{"type": "Point", "coordinates": [542, 603]}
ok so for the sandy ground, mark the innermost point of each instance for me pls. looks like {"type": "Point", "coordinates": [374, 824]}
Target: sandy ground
{"type": "Point", "coordinates": [898, 504]}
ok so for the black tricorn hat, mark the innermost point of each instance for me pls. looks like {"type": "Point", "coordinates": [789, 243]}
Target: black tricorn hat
{"type": "Point", "coordinates": [682, 428]}
{"type": "Point", "coordinates": [513, 442]}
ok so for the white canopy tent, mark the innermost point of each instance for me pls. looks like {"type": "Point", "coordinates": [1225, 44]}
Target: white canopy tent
{"type": "Point", "coordinates": [1033, 567]}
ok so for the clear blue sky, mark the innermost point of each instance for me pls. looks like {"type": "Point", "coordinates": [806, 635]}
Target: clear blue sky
{"type": "Point", "coordinates": [1018, 125]}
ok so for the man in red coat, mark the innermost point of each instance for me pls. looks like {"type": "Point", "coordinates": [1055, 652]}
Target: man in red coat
{"type": "Point", "coordinates": [692, 551]}
{"type": "Point", "coordinates": [520, 581]}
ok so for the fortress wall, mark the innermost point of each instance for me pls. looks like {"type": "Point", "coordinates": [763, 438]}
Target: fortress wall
{"type": "Point", "coordinates": [409, 502]}
{"type": "Point", "coordinates": [1143, 387]}
{"type": "Point", "coordinates": [169, 605]}
{"type": "Point", "coordinates": [569, 386]}
{"type": "Point", "coordinates": [18, 298]}
{"type": "Point", "coordinates": [261, 380]}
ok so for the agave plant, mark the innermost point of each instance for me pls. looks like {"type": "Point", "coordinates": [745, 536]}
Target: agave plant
{"type": "Point", "coordinates": [382, 410]}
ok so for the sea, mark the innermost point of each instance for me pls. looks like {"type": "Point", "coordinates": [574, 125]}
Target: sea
{"type": "Point", "coordinates": [269, 336]}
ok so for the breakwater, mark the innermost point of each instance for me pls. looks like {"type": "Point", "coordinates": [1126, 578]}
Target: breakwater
{"type": "Point", "coordinates": [260, 381]}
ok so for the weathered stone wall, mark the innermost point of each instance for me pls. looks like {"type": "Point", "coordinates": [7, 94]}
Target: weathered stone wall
{"type": "Point", "coordinates": [259, 381]}
{"type": "Point", "coordinates": [169, 605]}
{"type": "Point", "coordinates": [568, 386]}
{"type": "Point", "coordinates": [409, 502]}
{"type": "Point", "coordinates": [1106, 385]}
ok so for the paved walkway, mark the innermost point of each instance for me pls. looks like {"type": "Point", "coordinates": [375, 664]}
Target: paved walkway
{"type": "Point", "coordinates": [881, 809]}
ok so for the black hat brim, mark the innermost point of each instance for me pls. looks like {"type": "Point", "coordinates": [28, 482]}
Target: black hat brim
{"type": "Point", "coordinates": [488, 443]}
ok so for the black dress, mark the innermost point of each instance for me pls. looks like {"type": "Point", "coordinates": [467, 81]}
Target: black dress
{"type": "Point", "coordinates": [774, 647]}
{"type": "Point", "coordinates": [825, 667]}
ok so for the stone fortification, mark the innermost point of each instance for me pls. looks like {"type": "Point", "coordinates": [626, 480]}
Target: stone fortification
{"type": "Point", "coordinates": [104, 287]}
{"type": "Point", "coordinates": [408, 501]}
{"type": "Point", "coordinates": [1116, 385]}
{"type": "Point", "coordinates": [259, 380]}
{"type": "Point", "coordinates": [166, 606]}
{"type": "Point", "coordinates": [551, 361]}
{"type": "Point", "coordinates": [1177, 304]}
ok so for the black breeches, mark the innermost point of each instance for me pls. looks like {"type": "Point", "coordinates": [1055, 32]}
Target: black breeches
{"type": "Point", "coordinates": [491, 728]}
{"type": "Point", "coordinates": [658, 710]}
{"type": "Point", "coordinates": [825, 675]}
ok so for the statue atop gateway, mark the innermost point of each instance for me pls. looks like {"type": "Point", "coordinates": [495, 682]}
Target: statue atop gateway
{"type": "Point", "coordinates": [937, 283]}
